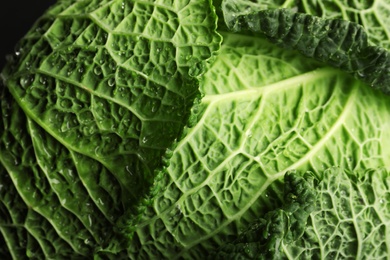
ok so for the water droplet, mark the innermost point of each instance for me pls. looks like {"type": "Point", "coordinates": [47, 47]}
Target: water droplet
{"type": "Point", "coordinates": [43, 80]}
{"type": "Point", "coordinates": [16, 161]}
{"type": "Point", "coordinates": [112, 66]}
{"type": "Point", "coordinates": [361, 74]}
{"type": "Point", "coordinates": [28, 65]}
{"type": "Point", "coordinates": [66, 103]}
{"type": "Point", "coordinates": [111, 82]}
{"type": "Point", "coordinates": [97, 150]}
{"type": "Point", "coordinates": [97, 71]}
{"type": "Point", "coordinates": [25, 81]}
{"type": "Point", "coordinates": [100, 201]}
{"type": "Point", "coordinates": [129, 170]}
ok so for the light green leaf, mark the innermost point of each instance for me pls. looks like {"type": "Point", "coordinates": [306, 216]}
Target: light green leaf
{"type": "Point", "coordinates": [351, 219]}
{"type": "Point", "coordinates": [265, 111]}
{"type": "Point", "coordinates": [348, 219]}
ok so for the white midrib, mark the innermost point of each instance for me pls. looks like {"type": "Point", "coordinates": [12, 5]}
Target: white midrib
{"type": "Point", "coordinates": [273, 87]}
{"type": "Point", "coordinates": [212, 100]}
{"type": "Point", "coordinates": [296, 165]}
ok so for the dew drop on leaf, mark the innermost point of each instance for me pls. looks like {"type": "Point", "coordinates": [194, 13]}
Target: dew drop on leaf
{"type": "Point", "coordinates": [25, 81]}
{"type": "Point", "coordinates": [97, 71]}
{"type": "Point", "coordinates": [66, 103]}
{"type": "Point", "coordinates": [43, 80]}
{"type": "Point", "coordinates": [111, 82]}
{"type": "Point", "coordinates": [129, 170]}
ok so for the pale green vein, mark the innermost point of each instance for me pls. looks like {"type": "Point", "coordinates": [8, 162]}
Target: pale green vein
{"type": "Point", "coordinates": [77, 214]}
{"type": "Point", "coordinates": [90, 91]}
{"type": "Point", "coordinates": [212, 99]}
{"type": "Point", "coordinates": [90, 193]}
{"type": "Point", "coordinates": [39, 211]}
{"type": "Point", "coordinates": [35, 140]}
{"type": "Point", "coordinates": [35, 234]}
{"type": "Point", "coordinates": [296, 165]}
{"type": "Point", "coordinates": [237, 70]}
{"type": "Point", "coordinates": [354, 217]}
{"type": "Point", "coordinates": [381, 19]}
{"type": "Point", "coordinates": [336, 125]}
{"type": "Point", "coordinates": [255, 92]}
{"type": "Point", "coordinates": [232, 218]}
{"type": "Point", "coordinates": [9, 244]}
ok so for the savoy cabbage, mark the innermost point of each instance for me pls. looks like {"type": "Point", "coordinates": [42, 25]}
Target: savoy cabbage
{"type": "Point", "coordinates": [345, 210]}
{"type": "Point", "coordinates": [157, 130]}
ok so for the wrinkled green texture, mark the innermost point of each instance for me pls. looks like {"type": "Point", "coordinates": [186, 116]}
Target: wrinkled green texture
{"type": "Point", "coordinates": [97, 92]}
{"type": "Point", "coordinates": [93, 96]}
{"type": "Point", "coordinates": [351, 219]}
{"type": "Point", "coordinates": [255, 125]}
{"type": "Point", "coordinates": [373, 15]}
{"type": "Point", "coordinates": [348, 219]}
{"type": "Point", "coordinates": [265, 237]}
{"type": "Point", "coordinates": [339, 43]}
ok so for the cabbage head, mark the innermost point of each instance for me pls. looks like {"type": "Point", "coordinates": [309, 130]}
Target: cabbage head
{"type": "Point", "coordinates": [177, 129]}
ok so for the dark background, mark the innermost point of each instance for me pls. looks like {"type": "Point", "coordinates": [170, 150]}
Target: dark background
{"type": "Point", "coordinates": [16, 18]}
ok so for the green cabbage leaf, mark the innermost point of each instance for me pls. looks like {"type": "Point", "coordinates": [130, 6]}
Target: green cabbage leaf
{"type": "Point", "coordinates": [255, 125]}
{"type": "Point", "coordinates": [345, 221]}
{"type": "Point", "coordinates": [150, 130]}
{"type": "Point", "coordinates": [93, 96]}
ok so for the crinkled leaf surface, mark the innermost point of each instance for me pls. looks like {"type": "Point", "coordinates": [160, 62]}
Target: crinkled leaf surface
{"type": "Point", "coordinates": [264, 238]}
{"type": "Point", "coordinates": [338, 43]}
{"type": "Point", "coordinates": [95, 93]}
{"type": "Point", "coordinates": [99, 89]}
{"type": "Point", "coordinates": [265, 111]}
{"type": "Point", "coordinates": [374, 15]}
{"type": "Point", "coordinates": [349, 219]}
